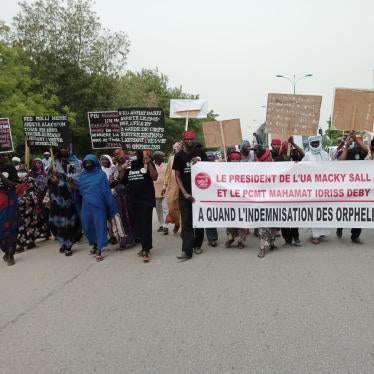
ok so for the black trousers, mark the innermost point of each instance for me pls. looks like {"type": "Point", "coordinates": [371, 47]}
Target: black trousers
{"type": "Point", "coordinates": [355, 233]}
{"type": "Point", "coordinates": [211, 234]}
{"type": "Point", "coordinates": [290, 233]}
{"type": "Point", "coordinates": [191, 238]}
{"type": "Point", "coordinates": [141, 218]}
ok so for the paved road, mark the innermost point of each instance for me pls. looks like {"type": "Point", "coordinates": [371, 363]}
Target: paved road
{"type": "Point", "coordinates": [298, 310]}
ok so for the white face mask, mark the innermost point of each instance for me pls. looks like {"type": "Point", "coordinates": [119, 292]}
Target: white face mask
{"type": "Point", "coordinates": [21, 175]}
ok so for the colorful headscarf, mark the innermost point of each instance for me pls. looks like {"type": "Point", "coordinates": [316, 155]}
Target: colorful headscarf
{"type": "Point", "coordinates": [264, 156]}
{"type": "Point", "coordinates": [39, 175]}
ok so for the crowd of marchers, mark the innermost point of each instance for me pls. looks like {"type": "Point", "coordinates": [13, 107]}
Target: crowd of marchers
{"type": "Point", "coordinates": [110, 200]}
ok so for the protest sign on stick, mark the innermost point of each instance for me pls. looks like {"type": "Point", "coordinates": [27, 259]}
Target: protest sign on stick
{"type": "Point", "coordinates": [46, 130]}
{"type": "Point", "coordinates": [289, 115]}
{"type": "Point", "coordinates": [222, 133]}
{"type": "Point", "coordinates": [105, 130]}
{"type": "Point", "coordinates": [6, 142]}
{"type": "Point", "coordinates": [283, 194]}
{"type": "Point", "coordinates": [353, 109]}
{"type": "Point", "coordinates": [188, 108]}
{"type": "Point", "coordinates": [142, 128]}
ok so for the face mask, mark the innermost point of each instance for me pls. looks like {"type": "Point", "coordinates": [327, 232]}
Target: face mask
{"type": "Point", "coordinates": [22, 175]}
{"type": "Point", "coordinates": [133, 158]}
{"type": "Point", "coordinates": [89, 167]}
{"type": "Point", "coordinates": [351, 146]}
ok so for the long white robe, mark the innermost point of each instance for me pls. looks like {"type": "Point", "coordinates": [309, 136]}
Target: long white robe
{"type": "Point", "coordinates": [321, 156]}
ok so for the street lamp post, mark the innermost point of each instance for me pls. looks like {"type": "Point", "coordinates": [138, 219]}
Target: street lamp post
{"type": "Point", "coordinates": [293, 80]}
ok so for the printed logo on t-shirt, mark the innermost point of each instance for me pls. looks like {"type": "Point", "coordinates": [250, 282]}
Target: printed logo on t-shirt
{"type": "Point", "coordinates": [135, 175]}
{"type": "Point", "coordinates": [187, 169]}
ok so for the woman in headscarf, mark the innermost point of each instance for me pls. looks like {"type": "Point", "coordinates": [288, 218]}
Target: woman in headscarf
{"type": "Point", "coordinates": [8, 210]}
{"type": "Point", "coordinates": [33, 223]}
{"type": "Point", "coordinates": [245, 150]}
{"type": "Point", "coordinates": [234, 233]}
{"type": "Point", "coordinates": [316, 153]}
{"type": "Point", "coordinates": [265, 234]}
{"type": "Point", "coordinates": [98, 206]}
{"type": "Point", "coordinates": [121, 198]}
{"type": "Point", "coordinates": [171, 190]}
{"type": "Point", "coordinates": [64, 200]}
{"type": "Point", "coordinates": [138, 176]}
{"type": "Point", "coordinates": [108, 167]}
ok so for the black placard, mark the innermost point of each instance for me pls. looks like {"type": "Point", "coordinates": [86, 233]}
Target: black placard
{"type": "Point", "coordinates": [6, 143]}
{"type": "Point", "coordinates": [142, 128]}
{"type": "Point", "coordinates": [105, 130]}
{"type": "Point", "coordinates": [48, 130]}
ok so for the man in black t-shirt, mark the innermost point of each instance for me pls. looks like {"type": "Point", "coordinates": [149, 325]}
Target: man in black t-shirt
{"type": "Point", "coordinates": [351, 149]}
{"type": "Point", "coordinates": [192, 239]}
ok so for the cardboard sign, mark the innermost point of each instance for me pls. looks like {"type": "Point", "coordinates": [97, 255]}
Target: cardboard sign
{"type": "Point", "coordinates": [191, 108]}
{"type": "Point", "coordinates": [105, 130]}
{"type": "Point", "coordinates": [292, 114]}
{"type": "Point", "coordinates": [6, 142]}
{"type": "Point", "coordinates": [353, 109]}
{"type": "Point", "coordinates": [46, 131]}
{"type": "Point", "coordinates": [231, 131]}
{"type": "Point", "coordinates": [142, 128]}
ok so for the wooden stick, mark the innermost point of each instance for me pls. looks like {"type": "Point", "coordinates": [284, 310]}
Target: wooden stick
{"type": "Point", "coordinates": [223, 140]}
{"type": "Point", "coordinates": [353, 117]}
{"type": "Point", "coordinates": [53, 158]}
{"type": "Point", "coordinates": [186, 126]}
{"type": "Point", "coordinates": [27, 155]}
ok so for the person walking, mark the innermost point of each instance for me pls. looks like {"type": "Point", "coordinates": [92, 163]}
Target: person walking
{"type": "Point", "coordinates": [98, 206]}
{"type": "Point", "coordinates": [265, 234]}
{"type": "Point", "coordinates": [290, 151]}
{"type": "Point", "coordinates": [317, 154]}
{"type": "Point", "coordinates": [171, 191]}
{"type": "Point", "coordinates": [161, 209]}
{"type": "Point", "coordinates": [33, 221]}
{"type": "Point", "coordinates": [64, 218]}
{"type": "Point", "coordinates": [8, 210]}
{"type": "Point", "coordinates": [352, 149]}
{"type": "Point", "coordinates": [138, 175]}
{"type": "Point", "coordinates": [192, 239]}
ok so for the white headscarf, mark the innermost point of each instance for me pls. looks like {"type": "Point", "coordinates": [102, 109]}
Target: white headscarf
{"type": "Point", "coordinates": [315, 138]}
{"type": "Point", "coordinates": [108, 171]}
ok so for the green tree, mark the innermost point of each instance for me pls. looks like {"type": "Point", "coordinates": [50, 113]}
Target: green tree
{"type": "Point", "coordinates": [18, 93]}
{"type": "Point", "coordinates": [71, 31]}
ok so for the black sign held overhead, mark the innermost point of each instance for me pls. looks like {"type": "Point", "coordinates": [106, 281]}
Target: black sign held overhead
{"type": "Point", "coordinates": [105, 130]}
{"type": "Point", "coordinates": [47, 131]}
{"type": "Point", "coordinates": [6, 143]}
{"type": "Point", "coordinates": [142, 128]}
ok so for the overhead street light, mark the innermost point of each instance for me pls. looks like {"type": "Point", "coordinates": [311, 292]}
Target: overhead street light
{"type": "Point", "coordinates": [293, 80]}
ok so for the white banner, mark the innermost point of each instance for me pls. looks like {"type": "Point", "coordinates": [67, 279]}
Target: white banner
{"type": "Point", "coordinates": [283, 194]}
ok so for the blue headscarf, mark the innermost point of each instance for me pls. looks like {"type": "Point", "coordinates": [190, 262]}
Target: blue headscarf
{"type": "Point", "coordinates": [94, 188]}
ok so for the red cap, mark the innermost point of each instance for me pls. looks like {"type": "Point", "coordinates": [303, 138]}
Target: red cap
{"type": "Point", "coordinates": [276, 142]}
{"type": "Point", "coordinates": [189, 135]}
{"type": "Point", "coordinates": [235, 156]}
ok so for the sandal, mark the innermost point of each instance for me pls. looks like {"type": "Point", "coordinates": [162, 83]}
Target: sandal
{"type": "Point", "coordinates": [315, 241]}
{"type": "Point", "coordinates": [240, 245]}
{"type": "Point", "coordinates": [139, 254]}
{"type": "Point", "coordinates": [261, 253]}
{"type": "Point", "coordinates": [99, 257]}
{"type": "Point", "coordinates": [146, 257]}
{"type": "Point", "coordinates": [229, 242]}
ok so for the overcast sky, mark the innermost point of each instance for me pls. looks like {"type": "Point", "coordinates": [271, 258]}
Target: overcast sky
{"type": "Point", "coordinates": [229, 52]}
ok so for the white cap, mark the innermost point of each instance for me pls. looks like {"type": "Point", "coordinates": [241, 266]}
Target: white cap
{"type": "Point", "coordinates": [16, 159]}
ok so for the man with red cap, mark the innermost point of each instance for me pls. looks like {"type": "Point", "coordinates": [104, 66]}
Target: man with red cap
{"type": "Point", "coordinates": [192, 239]}
{"type": "Point", "coordinates": [275, 147]}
